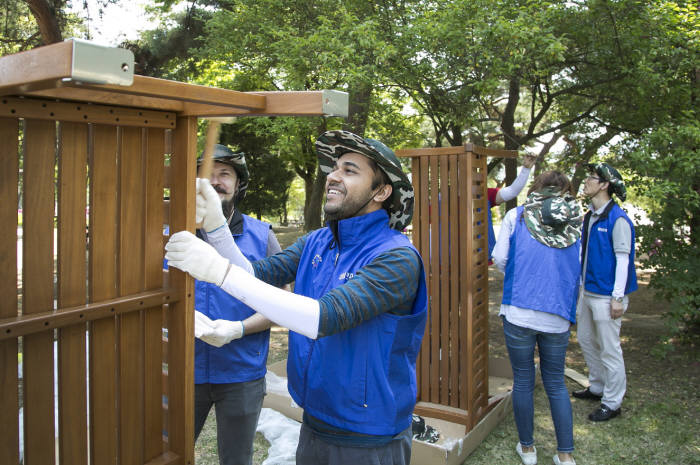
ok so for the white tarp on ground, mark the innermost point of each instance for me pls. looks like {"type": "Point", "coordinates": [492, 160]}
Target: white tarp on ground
{"type": "Point", "coordinates": [283, 435]}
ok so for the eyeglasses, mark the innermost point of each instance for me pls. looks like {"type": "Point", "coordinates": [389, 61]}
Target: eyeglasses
{"type": "Point", "coordinates": [596, 178]}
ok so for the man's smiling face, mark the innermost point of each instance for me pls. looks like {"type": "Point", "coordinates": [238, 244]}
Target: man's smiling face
{"type": "Point", "coordinates": [349, 188]}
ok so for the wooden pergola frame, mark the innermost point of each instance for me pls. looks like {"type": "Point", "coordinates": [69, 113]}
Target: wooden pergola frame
{"type": "Point", "coordinates": [114, 139]}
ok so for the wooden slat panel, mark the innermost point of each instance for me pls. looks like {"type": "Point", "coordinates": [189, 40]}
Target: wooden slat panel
{"type": "Point", "coordinates": [153, 360]}
{"type": "Point", "coordinates": [181, 316]}
{"type": "Point", "coordinates": [72, 184]}
{"type": "Point", "coordinates": [454, 276]}
{"type": "Point", "coordinates": [131, 272]}
{"type": "Point", "coordinates": [37, 269]}
{"type": "Point", "coordinates": [444, 261]}
{"type": "Point", "coordinates": [9, 402]}
{"type": "Point", "coordinates": [103, 286]}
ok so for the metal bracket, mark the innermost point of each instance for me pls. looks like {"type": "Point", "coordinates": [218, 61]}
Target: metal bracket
{"type": "Point", "coordinates": [98, 64]}
{"type": "Point", "coordinates": [335, 103]}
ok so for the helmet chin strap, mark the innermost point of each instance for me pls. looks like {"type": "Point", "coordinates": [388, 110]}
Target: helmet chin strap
{"type": "Point", "coordinates": [367, 202]}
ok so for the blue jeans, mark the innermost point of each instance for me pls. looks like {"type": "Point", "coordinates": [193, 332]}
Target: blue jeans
{"type": "Point", "coordinates": [552, 348]}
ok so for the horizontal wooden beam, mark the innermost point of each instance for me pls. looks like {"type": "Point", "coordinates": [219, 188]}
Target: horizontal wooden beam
{"type": "Point", "coordinates": [166, 459]}
{"type": "Point", "coordinates": [496, 153]}
{"type": "Point", "coordinates": [173, 90]}
{"type": "Point", "coordinates": [293, 103]}
{"type": "Point", "coordinates": [455, 150]}
{"type": "Point", "coordinates": [16, 107]}
{"type": "Point", "coordinates": [430, 151]}
{"type": "Point", "coordinates": [443, 412]}
{"type": "Point", "coordinates": [106, 97]}
{"type": "Point", "coordinates": [69, 61]}
{"type": "Point", "coordinates": [41, 321]}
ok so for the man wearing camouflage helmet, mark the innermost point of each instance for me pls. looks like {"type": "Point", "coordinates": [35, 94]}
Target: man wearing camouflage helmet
{"type": "Point", "coordinates": [358, 310]}
{"type": "Point", "coordinates": [232, 339]}
{"type": "Point", "coordinates": [608, 276]}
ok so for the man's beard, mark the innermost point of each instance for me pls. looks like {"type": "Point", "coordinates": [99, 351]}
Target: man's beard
{"type": "Point", "coordinates": [228, 207]}
{"type": "Point", "coordinates": [349, 208]}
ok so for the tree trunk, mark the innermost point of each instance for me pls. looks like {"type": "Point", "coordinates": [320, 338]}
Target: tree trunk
{"type": "Point", "coordinates": [45, 14]}
{"type": "Point", "coordinates": [511, 139]}
{"type": "Point", "coordinates": [312, 212]}
{"type": "Point", "coordinates": [358, 111]}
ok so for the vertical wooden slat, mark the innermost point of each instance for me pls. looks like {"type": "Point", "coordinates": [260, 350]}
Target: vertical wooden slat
{"type": "Point", "coordinates": [454, 276]}
{"type": "Point", "coordinates": [72, 389]}
{"type": "Point", "coordinates": [103, 286]}
{"type": "Point", "coordinates": [37, 270]}
{"type": "Point", "coordinates": [424, 248]}
{"type": "Point", "coordinates": [444, 259]}
{"type": "Point", "coordinates": [181, 317]}
{"type": "Point", "coordinates": [131, 255]}
{"type": "Point", "coordinates": [469, 277]}
{"type": "Point", "coordinates": [415, 239]}
{"type": "Point", "coordinates": [9, 402]}
{"type": "Point", "coordinates": [153, 213]}
{"type": "Point", "coordinates": [483, 309]}
{"type": "Point", "coordinates": [434, 282]}
{"type": "Point", "coordinates": [464, 257]}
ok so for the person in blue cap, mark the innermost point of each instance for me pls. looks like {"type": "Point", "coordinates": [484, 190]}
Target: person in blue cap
{"type": "Point", "coordinates": [232, 339]}
{"type": "Point", "coordinates": [358, 311]}
{"type": "Point", "coordinates": [608, 277]}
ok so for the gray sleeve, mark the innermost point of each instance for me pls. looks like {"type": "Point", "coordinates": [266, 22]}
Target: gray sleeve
{"type": "Point", "coordinates": [273, 245]}
{"type": "Point", "coordinates": [622, 236]}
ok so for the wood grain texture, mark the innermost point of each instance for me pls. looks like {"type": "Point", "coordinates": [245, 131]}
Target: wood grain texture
{"type": "Point", "coordinates": [38, 271]}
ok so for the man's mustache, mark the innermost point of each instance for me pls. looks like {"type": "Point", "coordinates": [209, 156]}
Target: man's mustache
{"type": "Point", "coordinates": [220, 189]}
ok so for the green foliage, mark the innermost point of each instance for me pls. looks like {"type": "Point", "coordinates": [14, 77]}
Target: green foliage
{"type": "Point", "coordinates": [270, 175]}
{"type": "Point", "coordinates": [665, 171]}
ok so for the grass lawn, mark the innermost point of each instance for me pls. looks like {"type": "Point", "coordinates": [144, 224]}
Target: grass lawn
{"type": "Point", "coordinates": [660, 422]}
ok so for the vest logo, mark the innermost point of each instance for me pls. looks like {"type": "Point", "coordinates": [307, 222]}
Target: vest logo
{"type": "Point", "coordinates": [602, 229]}
{"type": "Point", "coordinates": [346, 276]}
{"type": "Point", "coordinates": [316, 260]}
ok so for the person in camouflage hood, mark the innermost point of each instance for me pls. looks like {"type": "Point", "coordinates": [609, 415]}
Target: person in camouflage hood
{"type": "Point", "coordinates": [538, 251]}
{"type": "Point", "coordinates": [553, 218]}
{"type": "Point", "coordinates": [331, 145]}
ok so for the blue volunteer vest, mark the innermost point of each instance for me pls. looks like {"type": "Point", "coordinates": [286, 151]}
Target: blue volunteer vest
{"type": "Point", "coordinates": [362, 379]}
{"type": "Point", "coordinates": [539, 277]}
{"type": "Point", "coordinates": [600, 267]}
{"type": "Point", "coordinates": [243, 359]}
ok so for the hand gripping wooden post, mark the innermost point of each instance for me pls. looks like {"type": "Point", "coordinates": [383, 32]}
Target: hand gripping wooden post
{"type": "Point", "coordinates": [205, 168]}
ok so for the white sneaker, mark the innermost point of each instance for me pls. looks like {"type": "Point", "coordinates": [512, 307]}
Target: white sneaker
{"type": "Point", "coordinates": [528, 458]}
{"type": "Point", "coordinates": [559, 462]}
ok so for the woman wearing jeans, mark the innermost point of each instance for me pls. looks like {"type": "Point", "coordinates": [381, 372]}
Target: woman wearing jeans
{"type": "Point", "coordinates": [538, 250]}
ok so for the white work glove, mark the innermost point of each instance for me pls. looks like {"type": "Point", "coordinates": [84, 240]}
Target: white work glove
{"type": "Point", "coordinates": [209, 212]}
{"type": "Point", "coordinates": [216, 332]}
{"type": "Point", "coordinates": [192, 255]}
